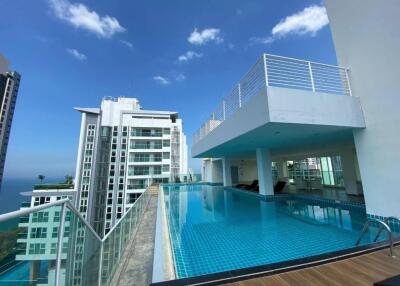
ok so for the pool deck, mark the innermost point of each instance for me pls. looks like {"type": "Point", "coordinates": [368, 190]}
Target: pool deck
{"type": "Point", "coordinates": [137, 264]}
{"type": "Point", "coordinates": [361, 270]}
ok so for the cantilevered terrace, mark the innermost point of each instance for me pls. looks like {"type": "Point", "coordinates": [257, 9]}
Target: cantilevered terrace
{"type": "Point", "coordinates": [283, 108]}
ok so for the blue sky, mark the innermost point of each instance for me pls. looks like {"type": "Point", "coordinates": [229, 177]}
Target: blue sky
{"type": "Point", "coordinates": [171, 55]}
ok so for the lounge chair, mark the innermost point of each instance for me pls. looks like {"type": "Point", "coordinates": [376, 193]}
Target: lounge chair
{"type": "Point", "coordinates": [252, 187]}
{"type": "Point", "coordinates": [279, 186]}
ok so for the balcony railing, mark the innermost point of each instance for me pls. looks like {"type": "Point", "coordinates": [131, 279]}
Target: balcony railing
{"type": "Point", "coordinates": [271, 70]}
{"type": "Point", "coordinates": [69, 252]}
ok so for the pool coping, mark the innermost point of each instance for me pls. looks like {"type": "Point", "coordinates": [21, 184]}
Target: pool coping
{"type": "Point", "coordinates": [283, 266]}
{"type": "Point", "coordinates": [276, 268]}
{"type": "Point", "coordinates": [163, 260]}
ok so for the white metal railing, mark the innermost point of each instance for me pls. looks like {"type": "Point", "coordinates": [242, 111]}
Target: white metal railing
{"type": "Point", "coordinates": [272, 70]}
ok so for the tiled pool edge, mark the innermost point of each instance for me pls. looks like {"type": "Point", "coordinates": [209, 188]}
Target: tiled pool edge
{"type": "Point", "coordinates": [162, 248]}
{"type": "Point", "coordinates": [393, 224]}
{"type": "Point", "coordinates": [309, 198]}
{"type": "Point", "coordinates": [276, 268]}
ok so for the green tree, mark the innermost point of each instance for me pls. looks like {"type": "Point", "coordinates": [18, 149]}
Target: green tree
{"type": "Point", "coordinates": [68, 180]}
{"type": "Point", "coordinates": [41, 178]}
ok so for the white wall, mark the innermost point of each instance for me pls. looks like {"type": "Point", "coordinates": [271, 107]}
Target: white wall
{"type": "Point", "coordinates": [247, 170]}
{"type": "Point", "coordinates": [366, 34]}
{"type": "Point", "coordinates": [288, 105]}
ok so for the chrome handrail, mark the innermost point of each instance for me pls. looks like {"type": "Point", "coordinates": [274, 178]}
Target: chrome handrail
{"type": "Point", "coordinates": [64, 204]}
{"type": "Point", "coordinates": [71, 207]}
{"type": "Point", "coordinates": [25, 211]}
{"type": "Point", "coordinates": [386, 220]}
{"type": "Point", "coordinates": [384, 225]}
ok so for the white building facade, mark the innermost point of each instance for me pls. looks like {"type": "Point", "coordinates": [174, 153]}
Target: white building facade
{"type": "Point", "coordinates": [38, 242]}
{"type": "Point", "coordinates": [290, 110]}
{"type": "Point", "coordinates": [122, 150]}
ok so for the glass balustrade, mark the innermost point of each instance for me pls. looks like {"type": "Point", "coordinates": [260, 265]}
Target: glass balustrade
{"type": "Point", "coordinates": [52, 242]}
{"type": "Point", "coordinates": [117, 240]}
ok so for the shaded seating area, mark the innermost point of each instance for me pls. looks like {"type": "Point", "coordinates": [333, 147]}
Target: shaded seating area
{"type": "Point", "coordinates": [253, 187]}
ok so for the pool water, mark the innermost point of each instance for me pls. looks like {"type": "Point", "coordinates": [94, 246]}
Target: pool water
{"type": "Point", "coordinates": [213, 229]}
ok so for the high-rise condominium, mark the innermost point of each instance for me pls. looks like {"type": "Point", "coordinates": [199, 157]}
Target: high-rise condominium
{"type": "Point", "coordinates": [123, 149]}
{"type": "Point", "coordinates": [9, 84]}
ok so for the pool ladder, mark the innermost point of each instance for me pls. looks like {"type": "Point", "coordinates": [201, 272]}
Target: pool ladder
{"type": "Point", "coordinates": [383, 225]}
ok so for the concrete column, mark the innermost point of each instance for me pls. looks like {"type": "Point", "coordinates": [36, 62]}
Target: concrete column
{"type": "Point", "coordinates": [216, 171]}
{"type": "Point", "coordinates": [34, 270]}
{"type": "Point", "coordinates": [347, 157]}
{"type": "Point", "coordinates": [281, 167]}
{"type": "Point", "coordinates": [211, 172]}
{"type": "Point", "coordinates": [226, 172]}
{"type": "Point", "coordinates": [264, 170]}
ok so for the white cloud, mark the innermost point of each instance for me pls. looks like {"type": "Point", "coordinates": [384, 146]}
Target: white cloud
{"type": "Point", "coordinates": [309, 21]}
{"type": "Point", "coordinates": [180, 77]}
{"type": "Point", "coordinates": [207, 35]}
{"type": "Point", "coordinates": [306, 22]}
{"type": "Point", "coordinates": [79, 16]}
{"type": "Point", "coordinates": [189, 55]}
{"type": "Point", "coordinates": [76, 54]}
{"type": "Point", "coordinates": [127, 43]}
{"type": "Point", "coordinates": [262, 40]}
{"type": "Point", "coordinates": [161, 80]}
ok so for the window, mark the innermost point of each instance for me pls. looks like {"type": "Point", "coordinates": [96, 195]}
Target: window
{"type": "Point", "coordinates": [37, 248]}
{"type": "Point", "coordinates": [166, 155]}
{"type": "Point", "coordinates": [40, 217]}
{"type": "Point", "coordinates": [140, 170]}
{"type": "Point", "coordinates": [138, 157]}
{"type": "Point", "coordinates": [54, 234]}
{"type": "Point", "coordinates": [156, 170]}
{"type": "Point", "coordinates": [56, 217]}
{"type": "Point", "coordinates": [132, 198]}
{"type": "Point", "coordinates": [53, 248]}
{"type": "Point", "coordinates": [41, 200]}
{"type": "Point", "coordinates": [38, 232]}
{"type": "Point", "coordinates": [165, 168]}
{"type": "Point", "coordinates": [157, 157]}
{"type": "Point", "coordinates": [166, 143]}
{"type": "Point", "coordinates": [136, 184]}
{"type": "Point", "coordinates": [167, 131]}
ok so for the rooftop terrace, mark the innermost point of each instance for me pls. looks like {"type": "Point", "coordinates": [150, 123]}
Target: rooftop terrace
{"type": "Point", "coordinates": [59, 186]}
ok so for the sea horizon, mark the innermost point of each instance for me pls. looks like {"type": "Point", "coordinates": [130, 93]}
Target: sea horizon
{"type": "Point", "coordinates": [11, 189]}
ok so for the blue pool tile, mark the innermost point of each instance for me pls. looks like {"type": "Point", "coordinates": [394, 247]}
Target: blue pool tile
{"type": "Point", "coordinates": [215, 229]}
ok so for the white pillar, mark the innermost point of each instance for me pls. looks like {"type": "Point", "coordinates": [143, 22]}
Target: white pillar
{"type": "Point", "coordinates": [349, 171]}
{"type": "Point", "coordinates": [211, 172]}
{"type": "Point", "coordinates": [281, 167]}
{"type": "Point", "coordinates": [226, 171]}
{"type": "Point", "coordinates": [264, 169]}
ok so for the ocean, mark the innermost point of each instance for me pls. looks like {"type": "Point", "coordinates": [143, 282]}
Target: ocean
{"type": "Point", "coordinates": [10, 197]}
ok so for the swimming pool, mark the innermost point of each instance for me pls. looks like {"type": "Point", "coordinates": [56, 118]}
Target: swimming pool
{"type": "Point", "coordinates": [213, 229]}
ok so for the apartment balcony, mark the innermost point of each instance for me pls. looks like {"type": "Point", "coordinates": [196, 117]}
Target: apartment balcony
{"type": "Point", "coordinates": [282, 103]}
